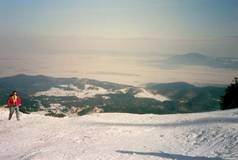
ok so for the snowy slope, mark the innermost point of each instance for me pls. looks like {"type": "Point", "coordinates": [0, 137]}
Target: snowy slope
{"type": "Point", "coordinates": [87, 92]}
{"type": "Point", "coordinates": [91, 91]}
{"type": "Point", "coordinates": [118, 136]}
{"type": "Point", "coordinates": [143, 93]}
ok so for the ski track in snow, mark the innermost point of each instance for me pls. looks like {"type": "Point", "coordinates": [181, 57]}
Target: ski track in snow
{"type": "Point", "coordinates": [120, 136]}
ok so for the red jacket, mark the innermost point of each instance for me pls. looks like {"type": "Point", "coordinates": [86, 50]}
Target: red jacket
{"type": "Point", "coordinates": [10, 101]}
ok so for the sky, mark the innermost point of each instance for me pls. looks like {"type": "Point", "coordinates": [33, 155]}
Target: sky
{"type": "Point", "coordinates": [112, 28]}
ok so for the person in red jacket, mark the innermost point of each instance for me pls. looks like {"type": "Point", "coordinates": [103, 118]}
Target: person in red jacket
{"type": "Point", "coordinates": [13, 102]}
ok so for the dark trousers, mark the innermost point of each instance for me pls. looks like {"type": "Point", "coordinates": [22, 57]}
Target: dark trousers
{"type": "Point", "coordinates": [11, 111]}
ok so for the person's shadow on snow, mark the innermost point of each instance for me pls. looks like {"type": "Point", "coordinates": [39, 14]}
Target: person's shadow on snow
{"type": "Point", "coordinates": [169, 155]}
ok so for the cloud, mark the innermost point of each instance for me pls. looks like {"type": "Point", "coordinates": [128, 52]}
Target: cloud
{"type": "Point", "coordinates": [116, 73]}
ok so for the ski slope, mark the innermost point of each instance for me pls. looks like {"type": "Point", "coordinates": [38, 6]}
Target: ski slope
{"type": "Point", "coordinates": [120, 136]}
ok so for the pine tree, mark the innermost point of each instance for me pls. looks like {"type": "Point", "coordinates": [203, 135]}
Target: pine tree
{"type": "Point", "coordinates": [230, 99]}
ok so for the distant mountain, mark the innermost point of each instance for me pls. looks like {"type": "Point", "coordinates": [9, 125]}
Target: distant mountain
{"type": "Point", "coordinates": [188, 97]}
{"type": "Point", "coordinates": [170, 86]}
{"type": "Point", "coordinates": [62, 96]}
{"type": "Point", "coordinates": [200, 60]}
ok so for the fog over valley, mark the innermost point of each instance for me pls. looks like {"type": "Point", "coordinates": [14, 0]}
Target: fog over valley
{"type": "Point", "coordinates": [134, 70]}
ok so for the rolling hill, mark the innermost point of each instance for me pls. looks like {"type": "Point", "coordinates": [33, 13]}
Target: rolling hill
{"type": "Point", "coordinates": [61, 95]}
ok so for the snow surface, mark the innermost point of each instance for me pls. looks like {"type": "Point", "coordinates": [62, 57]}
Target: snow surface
{"type": "Point", "coordinates": [124, 90]}
{"type": "Point", "coordinates": [120, 136]}
{"type": "Point", "coordinates": [146, 94]}
{"type": "Point", "coordinates": [91, 91]}
{"type": "Point", "coordinates": [87, 92]}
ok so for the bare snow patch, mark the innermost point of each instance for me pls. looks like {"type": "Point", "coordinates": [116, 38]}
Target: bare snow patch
{"type": "Point", "coordinates": [88, 91]}
{"type": "Point", "coordinates": [143, 93]}
{"type": "Point", "coordinates": [70, 86]}
{"type": "Point", "coordinates": [106, 97]}
{"type": "Point", "coordinates": [124, 90]}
